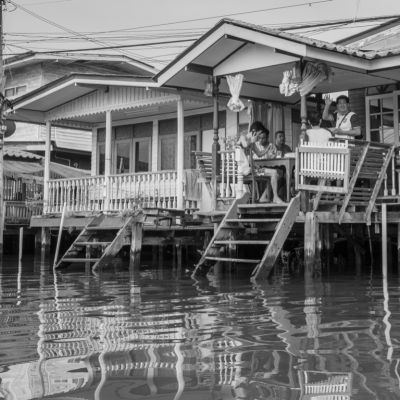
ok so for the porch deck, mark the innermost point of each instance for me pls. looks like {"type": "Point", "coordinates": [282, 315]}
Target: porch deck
{"type": "Point", "coordinates": [352, 182]}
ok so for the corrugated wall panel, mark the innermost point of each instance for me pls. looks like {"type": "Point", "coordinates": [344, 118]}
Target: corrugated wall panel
{"type": "Point", "coordinates": [115, 99]}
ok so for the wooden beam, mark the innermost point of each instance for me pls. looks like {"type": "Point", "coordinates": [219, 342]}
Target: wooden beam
{"type": "Point", "coordinates": [199, 69]}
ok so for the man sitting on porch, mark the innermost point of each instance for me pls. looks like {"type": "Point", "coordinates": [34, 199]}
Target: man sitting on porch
{"type": "Point", "coordinates": [257, 141]}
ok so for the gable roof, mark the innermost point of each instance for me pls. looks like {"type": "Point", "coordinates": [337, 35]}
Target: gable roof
{"type": "Point", "coordinates": [124, 63]}
{"type": "Point", "coordinates": [263, 54]}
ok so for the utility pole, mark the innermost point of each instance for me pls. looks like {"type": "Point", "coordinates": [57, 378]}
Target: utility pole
{"type": "Point", "coordinates": [4, 103]}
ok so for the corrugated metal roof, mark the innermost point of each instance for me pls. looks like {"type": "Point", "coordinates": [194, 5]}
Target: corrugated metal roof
{"type": "Point", "coordinates": [320, 44]}
{"type": "Point", "coordinates": [299, 39]}
{"type": "Point", "coordinates": [32, 164]}
{"type": "Point", "coordinates": [352, 51]}
{"type": "Point", "coordinates": [15, 152]}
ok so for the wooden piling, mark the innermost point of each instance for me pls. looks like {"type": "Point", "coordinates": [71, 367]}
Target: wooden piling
{"type": "Point", "coordinates": [384, 240]}
{"type": "Point", "coordinates": [21, 243]}
{"type": "Point", "coordinates": [312, 245]}
{"type": "Point", "coordinates": [45, 240]}
{"type": "Point", "coordinates": [136, 241]}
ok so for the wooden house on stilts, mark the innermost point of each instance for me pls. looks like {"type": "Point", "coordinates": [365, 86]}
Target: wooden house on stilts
{"type": "Point", "coordinates": [145, 133]}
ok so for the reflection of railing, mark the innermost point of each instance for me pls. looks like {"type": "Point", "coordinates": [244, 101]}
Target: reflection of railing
{"type": "Point", "coordinates": [20, 212]}
{"type": "Point", "coordinates": [115, 193]}
{"type": "Point", "coordinates": [318, 385]}
{"type": "Point", "coordinates": [322, 163]}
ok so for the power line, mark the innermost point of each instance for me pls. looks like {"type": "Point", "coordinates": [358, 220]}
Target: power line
{"type": "Point", "coordinates": [54, 23]}
{"type": "Point", "coordinates": [227, 15]}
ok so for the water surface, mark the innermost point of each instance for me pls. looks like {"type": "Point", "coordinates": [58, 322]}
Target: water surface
{"type": "Point", "coordinates": [155, 335]}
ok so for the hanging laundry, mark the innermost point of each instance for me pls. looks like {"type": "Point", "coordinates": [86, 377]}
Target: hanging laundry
{"type": "Point", "coordinates": [313, 74]}
{"type": "Point", "coordinates": [296, 82]}
{"type": "Point", "coordinates": [291, 80]}
{"type": "Point", "coordinates": [235, 85]}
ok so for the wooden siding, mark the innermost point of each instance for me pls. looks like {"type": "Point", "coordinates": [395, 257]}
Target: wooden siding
{"type": "Point", "coordinates": [117, 98]}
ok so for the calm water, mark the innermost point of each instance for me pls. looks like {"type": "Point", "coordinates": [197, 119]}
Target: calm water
{"type": "Point", "coordinates": [151, 335]}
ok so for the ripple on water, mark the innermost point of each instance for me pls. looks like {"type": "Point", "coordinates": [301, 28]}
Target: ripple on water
{"type": "Point", "coordinates": [118, 336]}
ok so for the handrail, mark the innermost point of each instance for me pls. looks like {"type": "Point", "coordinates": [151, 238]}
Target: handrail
{"type": "Point", "coordinates": [317, 163]}
{"type": "Point", "coordinates": [114, 193]}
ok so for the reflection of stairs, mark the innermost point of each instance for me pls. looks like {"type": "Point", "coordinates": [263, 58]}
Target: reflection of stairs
{"type": "Point", "coordinates": [99, 241]}
{"type": "Point", "coordinates": [369, 163]}
{"type": "Point", "coordinates": [250, 234]}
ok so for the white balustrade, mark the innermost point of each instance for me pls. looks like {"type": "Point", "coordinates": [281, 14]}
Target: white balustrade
{"type": "Point", "coordinates": [328, 161]}
{"type": "Point", "coordinates": [116, 193]}
{"type": "Point", "coordinates": [229, 174]}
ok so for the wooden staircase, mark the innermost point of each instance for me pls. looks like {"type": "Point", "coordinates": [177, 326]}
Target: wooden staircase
{"type": "Point", "coordinates": [251, 234]}
{"type": "Point", "coordinates": [368, 166]}
{"type": "Point", "coordinates": [100, 241]}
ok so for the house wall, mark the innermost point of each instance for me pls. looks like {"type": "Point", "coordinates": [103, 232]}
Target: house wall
{"type": "Point", "coordinates": [357, 104]}
{"type": "Point", "coordinates": [31, 76]}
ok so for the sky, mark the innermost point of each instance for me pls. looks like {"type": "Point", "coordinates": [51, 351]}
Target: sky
{"type": "Point", "coordinates": [48, 25]}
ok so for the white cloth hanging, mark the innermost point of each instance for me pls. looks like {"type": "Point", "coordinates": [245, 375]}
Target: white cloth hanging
{"type": "Point", "coordinates": [235, 85]}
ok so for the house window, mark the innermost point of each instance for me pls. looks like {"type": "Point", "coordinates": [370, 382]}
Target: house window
{"type": "Point", "coordinates": [191, 144]}
{"type": "Point", "coordinates": [383, 115]}
{"type": "Point", "coordinates": [142, 155]}
{"type": "Point", "coordinates": [101, 166]}
{"type": "Point", "coordinates": [168, 152]}
{"type": "Point", "coordinates": [122, 156]}
{"type": "Point", "coordinates": [15, 91]}
{"type": "Point", "coordinates": [132, 155]}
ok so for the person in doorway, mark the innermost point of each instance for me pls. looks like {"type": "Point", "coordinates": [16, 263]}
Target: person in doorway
{"type": "Point", "coordinates": [345, 123]}
{"type": "Point", "coordinates": [280, 144]}
{"type": "Point", "coordinates": [315, 133]}
{"type": "Point", "coordinates": [257, 140]}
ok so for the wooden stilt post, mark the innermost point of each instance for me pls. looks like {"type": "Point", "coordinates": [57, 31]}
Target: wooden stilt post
{"type": "Point", "coordinates": [179, 260]}
{"type": "Point", "coordinates": [398, 247]}
{"type": "Point", "coordinates": [38, 241]}
{"type": "Point", "coordinates": [45, 239]}
{"type": "Point", "coordinates": [312, 256]}
{"type": "Point", "coordinates": [3, 207]}
{"type": "Point", "coordinates": [136, 241]}
{"type": "Point", "coordinates": [21, 243]}
{"type": "Point", "coordinates": [384, 240]}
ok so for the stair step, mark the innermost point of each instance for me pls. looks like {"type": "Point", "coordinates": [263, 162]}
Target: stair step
{"type": "Point", "coordinates": [255, 242]}
{"type": "Point", "coordinates": [255, 220]}
{"type": "Point", "coordinates": [236, 260]}
{"type": "Point", "coordinates": [80, 259]}
{"type": "Point", "coordinates": [262, 205]}
{"type": "Point", "coordinates": [103, 228]}
{"type": "Point", "coordinates": [91, 243]}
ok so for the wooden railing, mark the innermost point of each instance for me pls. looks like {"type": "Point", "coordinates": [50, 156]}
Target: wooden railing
{"type": "Point", "coordinates": [20, 212]}
{"type": "Point", "coordinates": [318, 164]}
{"type": "Point", "coordinates": [115, 193]}
{"type": "Point", "coordinates": [391, 184]}
{"type": "Point", "coordinates": [229, 174]}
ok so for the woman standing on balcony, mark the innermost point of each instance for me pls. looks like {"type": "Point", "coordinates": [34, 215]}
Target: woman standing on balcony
{"type": "Point", "coordinates": [345, 123]}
